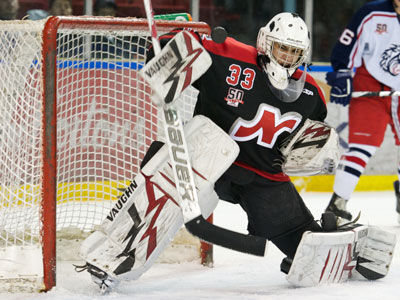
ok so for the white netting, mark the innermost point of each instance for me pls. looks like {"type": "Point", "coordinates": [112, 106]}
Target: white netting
{"type": "Point", "coordinates": [20, 132]}
{"type": "Point", "coordinates": [105, 123]}
{"type": "Point", "coordinates": [106, 120]}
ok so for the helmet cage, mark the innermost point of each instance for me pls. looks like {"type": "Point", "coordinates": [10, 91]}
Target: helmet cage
{"type": "Point", "coordinates": [284, 58]}
{"type": "Point", "coordinates": [284, 45]}
{"type": "Point", "coordinates": [288, 56]}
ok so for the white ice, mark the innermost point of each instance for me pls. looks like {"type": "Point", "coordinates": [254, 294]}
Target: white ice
{"type": "Point", "coordinates": [240, 276]}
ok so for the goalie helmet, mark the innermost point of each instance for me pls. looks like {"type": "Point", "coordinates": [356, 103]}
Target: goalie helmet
{"type": "Point", "coordinates": [283, 45]}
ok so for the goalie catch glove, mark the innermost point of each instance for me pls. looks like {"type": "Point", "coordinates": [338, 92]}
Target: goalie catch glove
{"type": "Point", "coordinates": [313, 149]}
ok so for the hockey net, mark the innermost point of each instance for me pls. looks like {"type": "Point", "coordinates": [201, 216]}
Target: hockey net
{"type": "Point", "coordinates": [75, 122]}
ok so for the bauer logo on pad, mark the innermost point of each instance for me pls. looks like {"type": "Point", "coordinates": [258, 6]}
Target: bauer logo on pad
{"type": "Point", "coordinates": [182, 61]}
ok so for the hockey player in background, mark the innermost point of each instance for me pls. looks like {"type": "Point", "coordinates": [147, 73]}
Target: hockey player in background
{"type": "Point", "coordinates": [259, 98]}
{"type": "Point", "coordinates": [371, 44]}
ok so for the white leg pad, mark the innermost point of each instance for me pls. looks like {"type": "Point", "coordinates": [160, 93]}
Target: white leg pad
{"type": "Point", "coordinates": [147, 216]}
{"type": "Point", "coordinates": [333, 257]}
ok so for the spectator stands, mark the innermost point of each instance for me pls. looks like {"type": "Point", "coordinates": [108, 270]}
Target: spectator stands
{"type": "Point", "coordinates": [131, 8]}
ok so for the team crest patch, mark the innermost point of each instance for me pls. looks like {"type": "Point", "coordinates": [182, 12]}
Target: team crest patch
{"type": "Point", "coordinates": [381, 28]}
{"type": "Point", "coordinates": [390, 61]}
{"type": "Point", "coordinates": [234, 97]}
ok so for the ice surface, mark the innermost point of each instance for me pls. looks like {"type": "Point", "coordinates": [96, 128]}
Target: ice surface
{"type": "Point", "coordinates": [236, 275]}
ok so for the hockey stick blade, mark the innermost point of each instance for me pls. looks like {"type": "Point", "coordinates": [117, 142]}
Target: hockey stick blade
{"type": "Point", "coordinates": [375, 94]}
{"type": "Point", "coordinates": [226, 238]}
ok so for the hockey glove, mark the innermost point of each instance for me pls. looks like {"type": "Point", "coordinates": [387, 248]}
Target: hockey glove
{"type": "Point", "coordinates": [342, 86]}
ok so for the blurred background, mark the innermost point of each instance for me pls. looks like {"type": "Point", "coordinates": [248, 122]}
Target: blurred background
{"type": "Point", "coordinates": [242, 18]}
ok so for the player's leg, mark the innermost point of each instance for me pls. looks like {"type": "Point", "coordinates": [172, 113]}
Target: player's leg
{"type": "Point", "coordinates": [368, 119]}
{"type": "Point", "coordinates": [147, 215]}
{"type": "Point", "coordinates": [395, 125]}
{"type": "Point", "coordinates": [334, 257]}
{"type": "Point", "coordinates": [351, 166]}
{"type": "Point", "coordinates": [396, 187]}
{"type": "Point", "coordinates": [364, 139]}
{"type": "Point", "coordinates": [275, 210]}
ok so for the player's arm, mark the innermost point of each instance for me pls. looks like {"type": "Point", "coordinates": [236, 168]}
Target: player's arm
{"type": "Point", "coordinates": [345, 55]}
{"type": "Point", "coordinates": [314, 147]}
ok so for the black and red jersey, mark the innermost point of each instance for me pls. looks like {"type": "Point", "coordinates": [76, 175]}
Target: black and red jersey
{"type": "Point", "coordinates": [234, 93]}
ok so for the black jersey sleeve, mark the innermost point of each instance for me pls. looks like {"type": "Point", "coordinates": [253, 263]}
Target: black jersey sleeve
{"type": "Point", "coordinates": [320, 110]}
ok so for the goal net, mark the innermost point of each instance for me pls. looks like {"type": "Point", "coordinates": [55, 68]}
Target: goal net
{"type": "Point", "coordinates": [75, 121]}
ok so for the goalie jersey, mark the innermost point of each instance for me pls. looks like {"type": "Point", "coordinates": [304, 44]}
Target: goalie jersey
{"type": "Point", "coordinates": [234, 94]}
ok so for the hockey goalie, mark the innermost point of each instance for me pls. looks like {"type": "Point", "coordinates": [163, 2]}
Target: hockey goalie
{"type": "Point", "coordinates": [258, 120]}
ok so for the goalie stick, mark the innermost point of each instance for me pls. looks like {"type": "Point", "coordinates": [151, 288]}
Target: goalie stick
{"type": "Point", "coordinates": [375, 94]}
{"type": "Point", "coordinates": [180, 161]}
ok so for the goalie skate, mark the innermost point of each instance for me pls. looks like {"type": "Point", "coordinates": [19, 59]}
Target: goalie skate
{"type": "Point", "coordinates": [334, 257]}
{"type": "Point", "coordinates": [101, 278]}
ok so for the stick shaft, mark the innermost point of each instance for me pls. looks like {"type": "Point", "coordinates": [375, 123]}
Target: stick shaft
{"type": "Point", "coordinates": [173, 126]}
{"type": "Point", "coordinates": [375, 94]}
{"type": "Point", "coordinates": [152, 26]}
{"type": "Point", "coordinates": [194, 221]}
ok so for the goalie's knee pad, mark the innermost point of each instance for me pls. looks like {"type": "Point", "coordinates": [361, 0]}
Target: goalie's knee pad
{"type": "Point", "coordinates": [147, 215]}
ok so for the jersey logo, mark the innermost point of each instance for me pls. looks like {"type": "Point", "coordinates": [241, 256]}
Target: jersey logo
{"type": "Point", "coordinates": [266, 126]}
{"type": "Point", "coordinates": [381, 28]}
{"type": "Point", "coordinates": [308, 92]}
{"type": "Point", "coordinates": [234, 97]}
{"type": "Point", "coordinates": [390, 61]}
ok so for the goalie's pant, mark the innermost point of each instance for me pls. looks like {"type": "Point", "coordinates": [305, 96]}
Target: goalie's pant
{"type": "Point", "coordinates": [274, 209]}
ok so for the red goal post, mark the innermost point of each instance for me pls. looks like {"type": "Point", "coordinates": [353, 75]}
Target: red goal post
{"type": "Point", "coordinates": [76, 120]}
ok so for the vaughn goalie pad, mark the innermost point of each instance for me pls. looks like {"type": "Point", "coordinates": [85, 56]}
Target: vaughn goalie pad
{"type": "Point", "coordinates": [334, 257]}
{"type": "Point", "coordinates": [147, 216]}
{"type": "Point", "coordinates": [312, 150]}
{"type": "Point", "coordinates": [182, 61]}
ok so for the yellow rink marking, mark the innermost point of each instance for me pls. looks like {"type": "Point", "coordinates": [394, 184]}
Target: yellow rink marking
{"type": "Point", "coordinates": [110, 190]}
{"type": "Point", "coordinates": [324, 183]}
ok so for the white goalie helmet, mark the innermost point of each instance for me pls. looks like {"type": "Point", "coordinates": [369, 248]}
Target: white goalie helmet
{"type": "Point", "coordinates": [284, 44]}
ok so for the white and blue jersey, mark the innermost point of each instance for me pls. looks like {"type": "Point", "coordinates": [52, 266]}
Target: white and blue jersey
{"type": "Point", "coordinates": [372, 39]}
